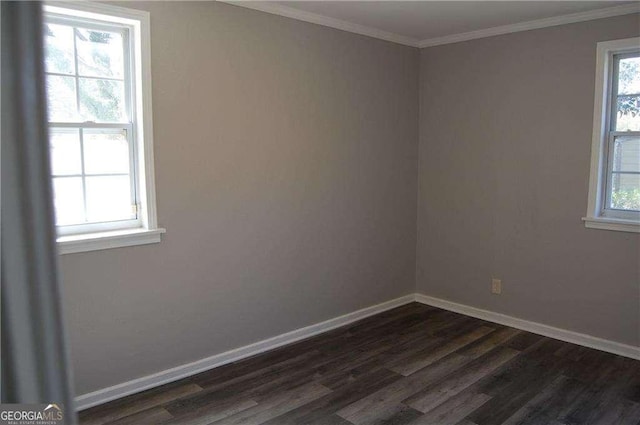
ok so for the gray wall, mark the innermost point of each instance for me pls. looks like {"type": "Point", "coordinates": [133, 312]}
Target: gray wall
{"type": "Point", "coordinates": [286, 167]}
{"type": "Point", "coordinates": [287, 173]}
{"type": "Point", "coordinates": [505, 136]}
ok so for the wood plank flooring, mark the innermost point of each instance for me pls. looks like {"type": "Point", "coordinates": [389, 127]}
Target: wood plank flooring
{"type": "Point", "coordinates": [411, 365]}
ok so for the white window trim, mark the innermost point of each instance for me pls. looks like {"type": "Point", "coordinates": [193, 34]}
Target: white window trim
{"type": "Point", "coordinates": [594, 218]}
{"type": "Point", "coordinates": [139, 21]}
{"type": "Point", "coordinates": [106, 240]}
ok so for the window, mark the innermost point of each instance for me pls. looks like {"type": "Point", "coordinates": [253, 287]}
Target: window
{"type": "Point", "coordinates": [100, 131]}
{"type": "Point", "coordinates": [614, 187]}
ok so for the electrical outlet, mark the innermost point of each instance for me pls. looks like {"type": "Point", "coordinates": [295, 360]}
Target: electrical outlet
{"type": "Point", "coordinates": [496, 286]}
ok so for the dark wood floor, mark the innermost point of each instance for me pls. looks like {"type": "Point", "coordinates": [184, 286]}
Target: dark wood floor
{"type": "Point", "coordinates": [411, 365]}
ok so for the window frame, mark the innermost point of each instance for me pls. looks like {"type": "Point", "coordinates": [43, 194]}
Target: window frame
{"type": "Point", "coordinates": [102, 226]}
{"type": "Point", "coordinates": [144, 230]}
{"type": "Point", "coordinates": [599, 216]}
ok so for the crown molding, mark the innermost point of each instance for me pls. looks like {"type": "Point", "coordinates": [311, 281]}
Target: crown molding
{"type": "Point", "coordinates": [314, 18]}
{"type": "Point", "coordinates": [532, 25]}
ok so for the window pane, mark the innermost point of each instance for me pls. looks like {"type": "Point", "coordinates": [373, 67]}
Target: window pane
{"type": "Point", "coordinates": [68, 200]}
{"type": "Point", "coordinates": [105, 152]}
{"type": "Point", "coordinates": [58, 41]}
{"type": "Point", "coordinates": [100, 53]}
{"type": "Point", "coordinates": [625, 191]}
{"type": "Point", "coordinates": [626, 154]}
{"type": "Point", "coordinates": [629, 76]}
{"type": "Point", "coordinates": [109, 198]}
{"type": "Point", "coordinates": [628, 113]}
{"type": "Point", "coordinates": [65, 151]}
{"type": "Point", "coordinates": [102, 100]}
{"type": "Point", "coordinates": [61, 98]}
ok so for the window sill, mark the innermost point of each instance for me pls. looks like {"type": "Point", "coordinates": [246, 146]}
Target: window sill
{"type": "Point", "coordinates": [107, 240]}
{"type": "Point", "coordinates": [617, 224]}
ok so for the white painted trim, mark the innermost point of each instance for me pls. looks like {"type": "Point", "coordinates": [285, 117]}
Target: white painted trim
{"type": "Point", "coordinates": [139, 24]}
{"type": "Point", "coordinates": [620, 225]}
{"type": "Point", "coordinates": [140, 384]}
{"type": "Point", "coordinates": [532, 25]}
{"type": "Point", "coordinates": [107, 240]}
{"type": "Point", "coordinates": [601, 112]}
{"type": "Point", "coordinates": [534, 327]}
{"type": "Point", "coordinates": [314, 18]}
{"type": "Point", "coordinates": [142, 45]}
{"type": "Point", "coordinates": [104, 395]}
{"type": "Point", "coordinates": [90, 9]}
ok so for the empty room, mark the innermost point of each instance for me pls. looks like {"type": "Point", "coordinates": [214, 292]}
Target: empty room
{"type": "Point", "coordinates": [320, 212]}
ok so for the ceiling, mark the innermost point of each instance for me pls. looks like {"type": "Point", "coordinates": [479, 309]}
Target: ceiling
{"type": "Point", "coordinates": [417, 22]}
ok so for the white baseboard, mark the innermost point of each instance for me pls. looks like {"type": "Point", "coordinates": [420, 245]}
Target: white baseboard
{"type": "Point", "coordinates": [104, 395]}
{"type": "Point", "coordinates": [534, 327]}
{"type": "Point", "coordinates": [146, 382]}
